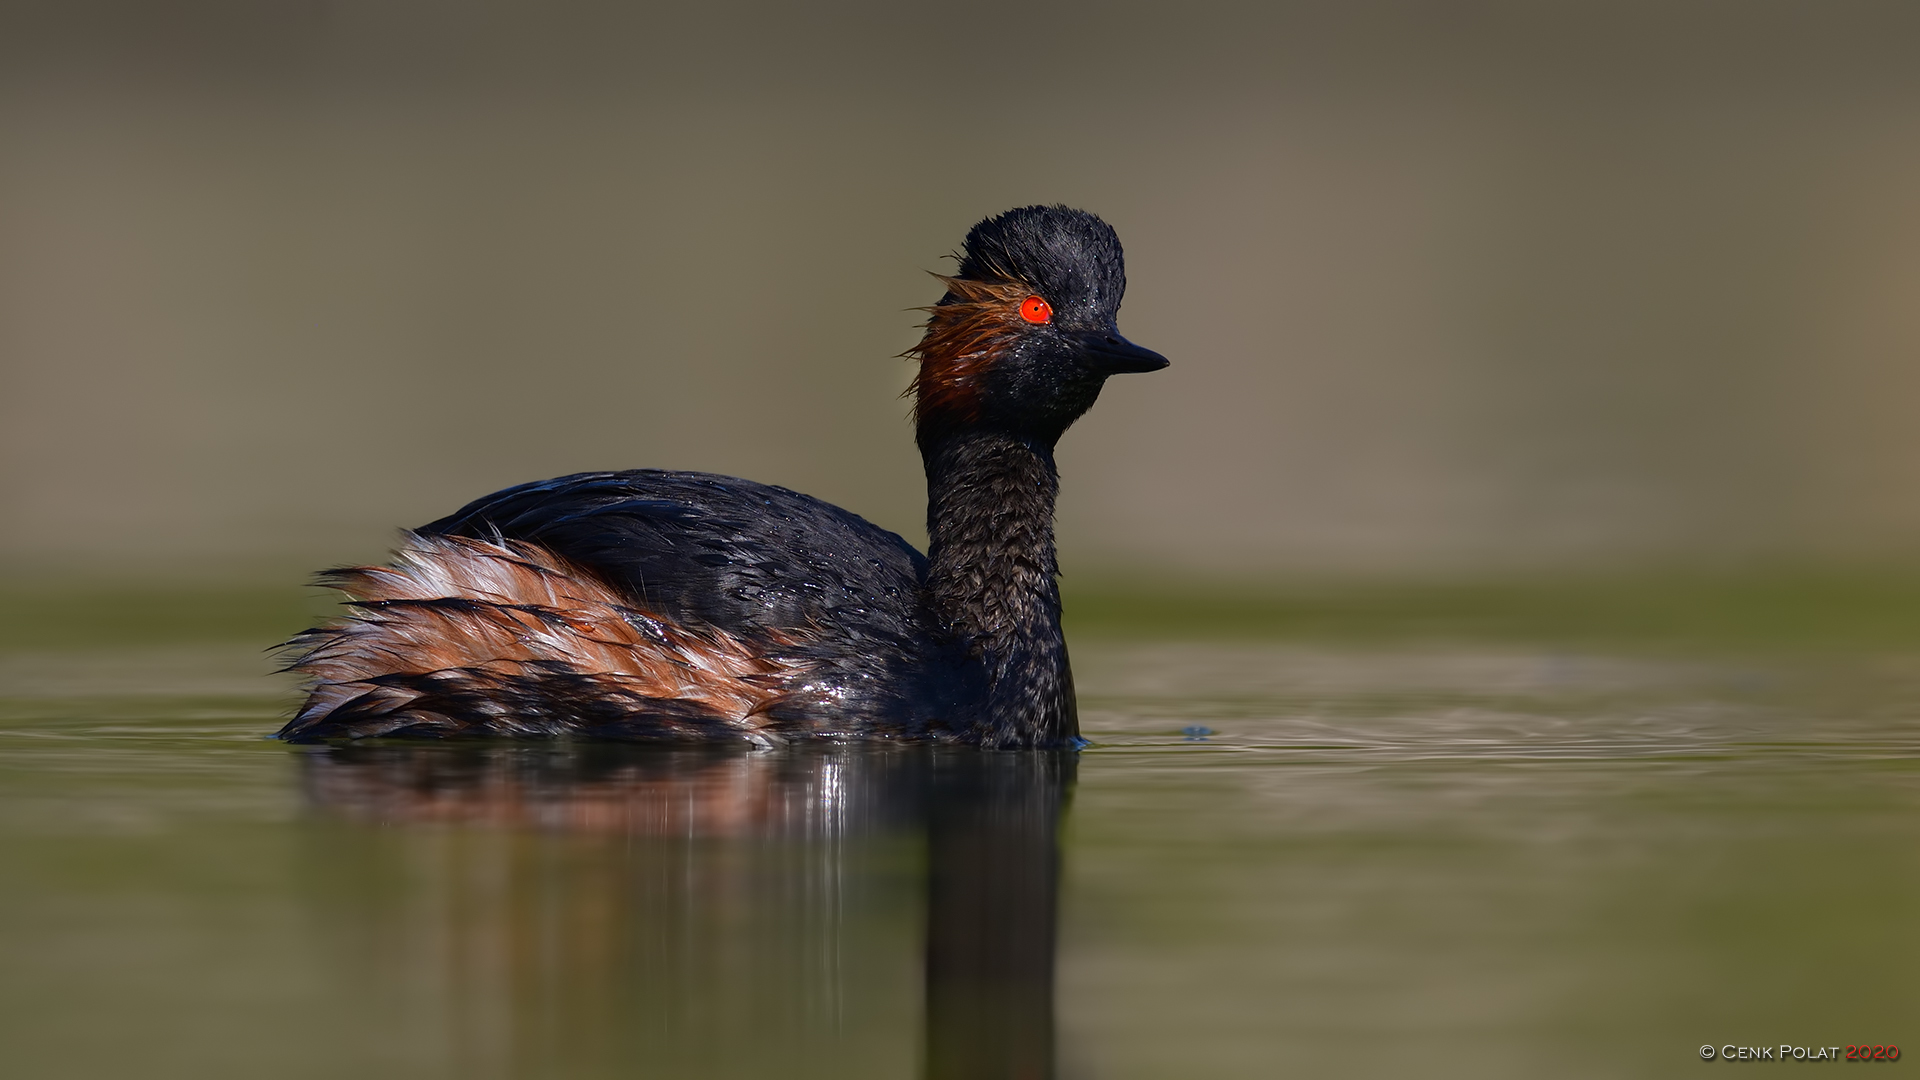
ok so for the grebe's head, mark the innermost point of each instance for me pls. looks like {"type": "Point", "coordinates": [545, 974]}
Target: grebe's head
{"type": "Point", "coordinates": [1026, 335]}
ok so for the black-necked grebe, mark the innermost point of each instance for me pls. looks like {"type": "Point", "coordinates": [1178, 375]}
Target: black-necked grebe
{"type": "Point", "coordinates": [686, 606]}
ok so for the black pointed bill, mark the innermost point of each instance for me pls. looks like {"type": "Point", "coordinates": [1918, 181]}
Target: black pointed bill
{"type": "Point", "coordinates": [1116, 355]}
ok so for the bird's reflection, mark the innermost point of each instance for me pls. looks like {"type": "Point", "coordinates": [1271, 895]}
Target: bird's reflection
{"type": "Point", "coordinates": [688, 911]}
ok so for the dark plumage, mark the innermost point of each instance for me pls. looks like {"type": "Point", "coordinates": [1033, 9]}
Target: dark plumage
{"type": "Point", "coordinates": [675, 605]}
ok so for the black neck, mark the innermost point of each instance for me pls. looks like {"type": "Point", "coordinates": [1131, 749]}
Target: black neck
{"type": "Point", "coordinates": [993, 576]}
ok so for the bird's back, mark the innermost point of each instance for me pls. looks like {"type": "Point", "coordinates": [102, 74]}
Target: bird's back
{"type": "Point", "coordinates": [710, 550]}
{"type": "Point", "coordinates": [637, 604]}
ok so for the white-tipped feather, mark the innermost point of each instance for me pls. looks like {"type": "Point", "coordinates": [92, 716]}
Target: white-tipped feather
{"type": "Point", "coordinates": [524, 613]}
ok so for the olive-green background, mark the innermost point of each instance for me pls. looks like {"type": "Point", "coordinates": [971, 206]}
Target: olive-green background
{"type": "Point", "coordinates": [1447, 287]}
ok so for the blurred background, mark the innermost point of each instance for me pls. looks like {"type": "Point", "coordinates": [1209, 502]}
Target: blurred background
{"type": "Point", "coordinates": [1449, 289]}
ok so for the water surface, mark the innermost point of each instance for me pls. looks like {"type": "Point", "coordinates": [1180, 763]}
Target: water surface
{"type": "Point", "coordinates": [1276, 858]}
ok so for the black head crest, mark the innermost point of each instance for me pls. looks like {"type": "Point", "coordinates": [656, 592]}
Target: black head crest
{"type": "Point", "coordinates": [1069, 256]}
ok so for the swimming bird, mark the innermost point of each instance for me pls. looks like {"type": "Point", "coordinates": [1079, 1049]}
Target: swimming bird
{"type": "Point", "coordinates": [657, 605]}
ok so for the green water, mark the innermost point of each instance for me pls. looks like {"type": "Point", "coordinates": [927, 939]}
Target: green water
{"type": "Point", "coordinates": [1455, 834]}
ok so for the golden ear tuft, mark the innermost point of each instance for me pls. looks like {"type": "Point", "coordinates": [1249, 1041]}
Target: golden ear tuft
{"type": "Point", "coordinates": [964, 332]}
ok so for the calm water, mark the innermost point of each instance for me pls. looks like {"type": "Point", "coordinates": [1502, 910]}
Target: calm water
{"type": "Point", "coordinates": [1275, 859]}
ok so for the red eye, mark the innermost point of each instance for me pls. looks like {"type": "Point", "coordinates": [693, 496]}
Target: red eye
{"type": "Point", "coordinates": [1035, 310]}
